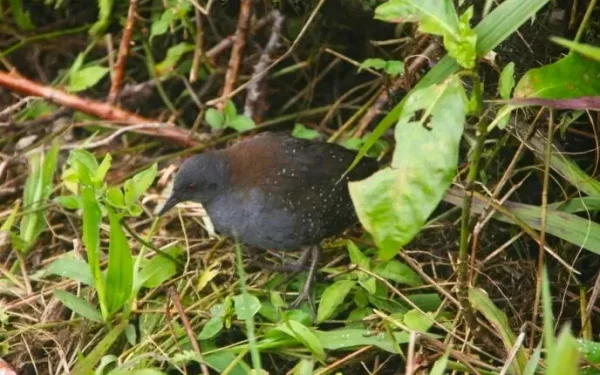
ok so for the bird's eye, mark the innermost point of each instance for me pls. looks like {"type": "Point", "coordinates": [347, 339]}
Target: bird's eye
{"type": "Point", "coordinates": [191, 186]}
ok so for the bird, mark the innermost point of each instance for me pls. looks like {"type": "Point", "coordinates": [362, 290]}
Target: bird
{"type": "Point", "coordinates": [274, 191]}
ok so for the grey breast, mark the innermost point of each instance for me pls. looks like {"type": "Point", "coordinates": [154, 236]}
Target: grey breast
{"type": "Point", "coordinates": [250, 218]}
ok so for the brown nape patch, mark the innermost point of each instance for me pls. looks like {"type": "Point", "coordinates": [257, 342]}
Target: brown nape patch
{"type": "Point", "coordinates": [252, 161]}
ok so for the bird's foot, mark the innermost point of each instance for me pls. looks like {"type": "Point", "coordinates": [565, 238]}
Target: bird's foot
{"type": "Point", "coordinates": [305, 295]}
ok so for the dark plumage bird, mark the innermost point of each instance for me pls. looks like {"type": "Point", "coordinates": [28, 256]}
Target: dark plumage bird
{"type": "Point", "coordinates": [274, 191]}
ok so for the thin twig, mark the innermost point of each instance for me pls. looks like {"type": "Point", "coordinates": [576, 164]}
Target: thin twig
{"type": "Point", "coordinates": [188, 328]}
{"type": "Point", "coordinates": [235, 61]}
{"type": "Point", "coordinates": [543, 220]}
{"type": "Point", "coordinates": [124, 48]}
{"type": "Point", "coordinates": [255, 90]}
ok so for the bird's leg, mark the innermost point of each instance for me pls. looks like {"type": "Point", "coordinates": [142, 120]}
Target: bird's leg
{"type": "Point", "coordinates": [294, 267]}
{"type": "Point", "coordinates": [315, 252]}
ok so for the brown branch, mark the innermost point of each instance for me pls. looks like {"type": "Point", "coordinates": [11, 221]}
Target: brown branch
{"type": "Point", "coordinates": [124, 47]}
{"type": "Point", "coordinates": [101, 110]}
{"type": "Point", "coordinates": [188, 328]}
{"type": "Point", "coordinates": [255, 90]}
{"type": "Point", "coordinates": [235, 61]}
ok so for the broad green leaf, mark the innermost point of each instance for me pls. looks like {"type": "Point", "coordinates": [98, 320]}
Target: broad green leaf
{"type": "Point", "coordinates": [241, 123]}
{"type": "Point", "coordinates": [70, 202]}
{"type": "Point", "coordinates": [507, 80]}
{"type": "Point", "coordinates": [157, 270]}
{"type": "Point", "coordinates": [347, 338]}
{"type": "Point", "coordinates": [211, 328]}
{"type": "Point", "coordinates": [218, 361]}
{"type": "Point", "coordinates": [161, 24]}
{"type": "Point", "coordinates": [214, 118]}
{"type": "Point", "coordinates": [79, 305]}
{"type": "Point", "coordinates": [246, 306]}
{"type": "Point", "coordinates": [174, 54]}
{"type": "Point", "coordinates": [300, 131]}
{"type": "Point", "coordinates": [85, 78]}
{"type": "Point", "coordinates": [592, 52]}
{"type": "Point", "coordinates": [332, 298]}
{"type": "Point", "coordinates": [497, 318]}
{"type": "Point", "coordinates": [564, 358]}
{"type": "Point", "coordinates": [114, 197]}
{"type": "Point", "coordinates": [418, 321]}
{"type": "Point", "coordinates": [136, 186]}
{"type": "Point", "coordinates": [131, 334]}
{"type": "Point", "coordinates": [398, 272]}
{"type": "Point", "coordinates": [394, 67]}
{"type": "Point", "coordinates": [72, 268]}
{"type": "Point", "coordinates": [394, 203]}
{"type": "Point", "coordinates": [304, 335]}
{"type": "Point", "coordinates": [570, 77]}
{"type": "Point", "coordinates": [119, 275]}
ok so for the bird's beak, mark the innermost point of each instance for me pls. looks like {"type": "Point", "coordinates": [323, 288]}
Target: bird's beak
{"type": "Point", "coordinates": [172, 201]}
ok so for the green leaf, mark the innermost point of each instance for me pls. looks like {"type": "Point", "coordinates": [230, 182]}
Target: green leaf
{"type": "Point", "coordinates": [398, 272]}
{"type": "Point", "coordinates": [304, 367]}
{"type": "Point", "coordinates": [590, 350]}
{"type": "Point", "coordinates": [119, 275]}
{"type": "Point", "coordinates": [72, 268]}
{"type": "Point", "coordinates": [373, 63]}
{"type": "Point", "coordinates": [347, 338]}
{"type": "Point", "coordinates": [138, 184]}
{"type": "Point", "coordinates": [38, 188]}
{"type": "Point", "coordinates": [86, 365]}
{"type": "Point", "coordinates": [230, 111]}
{"type": "Point", "coordinates": [463, 47]}
{"type": "Point", "coordinates": [105, 7]}
{"type": "Point", "coordinates": [592, 52]}
{"type": "Point", "coordinates": [497, 318]}
{"type": "Point", "coordinates": [174, 54]}
{"type": "Point", "coordinates": [332, 298]}
{"type": "Point", "coordinates": [214, 118]}
{"type": "Point", "coordinates": [70, 202]}
{"type": "Point", "coordinates": [246, 306]}
{"type": "Point", "coordinates": [394, 203]}
{"type": "Point", "coordinates": [79, 305]}
{"type": "Point", "coordinates": [300, 131]}
{"type": "Point", "coordinates": [85, 78]}
{"type": "Point", "coordinates": [564, 358]}
{"type": "Point", "coordinates": [439, 367]}
{"type": "Point", "coordinates": [394, 67]}
{"type": "Point", "coordinates": [241, 123]}
{"type": "Point", "coordinates": [102, 170]}
{"type": "Point", "coordinates": [21, 17]}
{"type": "Point", "coordinates": [158, 269]}
{"type": "Point", "coordinates": [161, 24]}
{"type": "Point", "coordinates": [114, 197]}
{"type": "Point", "coordinates": [507, 80]}
{"type": "Point", "coordinates": [358, 258]}
{"type": "Point", "coordinates": [569, 77]}
{"type": "Point", "coordinates": [304, 335]}
{"type": "Point", "coordinates": [418, 321]}
{"type": "Point", "coordinates": [92, 218]}
{"type": "Point", "coordinates": [212, 327]}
